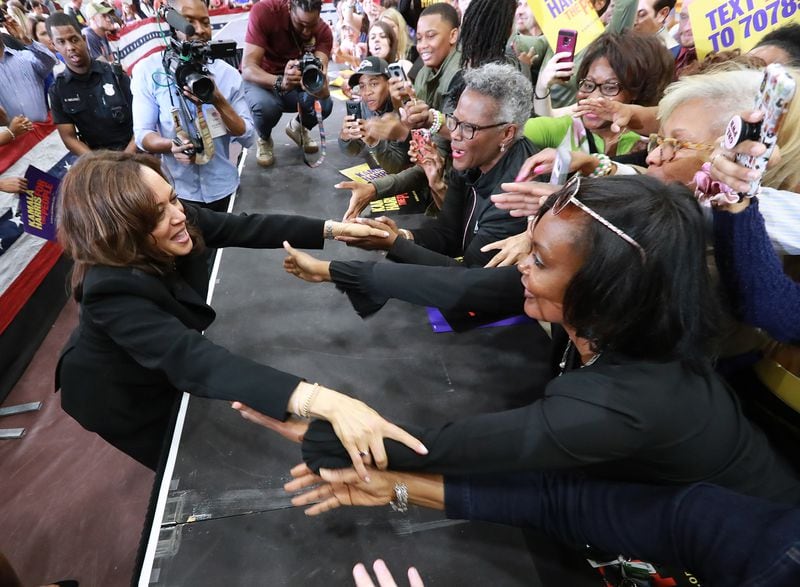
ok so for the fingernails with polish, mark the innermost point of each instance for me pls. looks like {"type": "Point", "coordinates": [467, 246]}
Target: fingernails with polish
{"type": "Point", "coordinates": [385, 234]}
{"type": "Point", "coordinates": [366, 479]}
{"type": "Point", "coordinates": [422, 449]}
{"type": "Point", "coordinates": [538, 169]}
{"type": "Point", "coordinates": [519, 178]}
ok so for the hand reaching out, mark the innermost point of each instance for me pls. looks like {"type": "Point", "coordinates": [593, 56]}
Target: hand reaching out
{"type": "Point", "coordinates": [293, 429]}
{"type": "Point", "coordinates": [335, 488]}
{"type": "Point", "coordinates": [539, 164]}
{"type": "Point", "coordinates": [384, 576]}
{"type": "Point", "coordinates": [512, 250]}
{"type": "Point", "coordinates": [361, 194]}
{"type": "Point", "coordinates": [523, 199]}
{"type": "Point", "coordinates": [373, 240]}
{"type": "Point", "coordinates": [305, 266]}
{"type": "Point", "coordinates": [13, 185]}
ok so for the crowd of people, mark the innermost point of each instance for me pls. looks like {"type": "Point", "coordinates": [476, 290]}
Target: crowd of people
{"type": "Point", "coordinates": [592, 194]}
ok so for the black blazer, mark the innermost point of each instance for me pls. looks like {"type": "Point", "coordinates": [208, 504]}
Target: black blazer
{"type": "Point", "coordinates": [139, 342]}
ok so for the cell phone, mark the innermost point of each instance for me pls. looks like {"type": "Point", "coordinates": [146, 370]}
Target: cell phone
{"type": "Point", "coordinates": [354, 109]}
{"type": "Point", "coordinates": [566, 41]}
{"type": "Point", "coordinates": [775, 95]}
{"type": "Point", "coordinates": [396, 71]}
{"type": "Point", "coordinates": [421, 139]}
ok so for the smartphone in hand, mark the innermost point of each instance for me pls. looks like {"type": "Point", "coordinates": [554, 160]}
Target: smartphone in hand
{"type": "Point", "coordinates": [566, 42]}
{"type": "Point", "coordinates": [774, 97]}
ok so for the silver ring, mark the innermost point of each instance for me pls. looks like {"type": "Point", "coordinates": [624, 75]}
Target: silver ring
{"type": "Point", "coordinates": [362, 453]}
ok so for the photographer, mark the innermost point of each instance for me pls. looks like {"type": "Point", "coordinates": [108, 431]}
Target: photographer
{"type": "Point", "coordinates": [285, 63]}
{"type": "Point", "coordinates": [91, 101]}
{"type": "Point", "coordinates": [204, 176]}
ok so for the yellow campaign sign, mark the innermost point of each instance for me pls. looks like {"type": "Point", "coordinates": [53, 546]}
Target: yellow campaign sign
{"type": "Point", "coordinates": [578, 15]}
{"type": "Point", "coordinates": [724, 25]}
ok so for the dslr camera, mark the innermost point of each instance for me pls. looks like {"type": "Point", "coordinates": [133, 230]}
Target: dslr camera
{"type": "Point", "coordinates": [311, 73]}
{"type": "Point", "coordinates": [185, 61]}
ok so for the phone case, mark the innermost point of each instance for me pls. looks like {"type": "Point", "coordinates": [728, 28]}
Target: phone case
{"type": "Point", "coordinates": [566, 41]}
{"type": "Point", "coordinates": [777, 90]}
{"type": "Point", "coordinates": [353, 108]}
{"type": "Point", "coordinates": [421, 138]}
{"type": "Point", "coordinates": [396, 70]}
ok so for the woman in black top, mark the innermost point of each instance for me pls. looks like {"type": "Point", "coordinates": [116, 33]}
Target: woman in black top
{"type": "Point", "coordinates": [619, 262]}
{"type": "Point", "coordinates": [138, 278]}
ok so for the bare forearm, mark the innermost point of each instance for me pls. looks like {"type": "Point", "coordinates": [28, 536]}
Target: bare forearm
{"type": "Point", "coordinates": [230, 118]}
{"type": "Point", "coordinates": [155, 143]}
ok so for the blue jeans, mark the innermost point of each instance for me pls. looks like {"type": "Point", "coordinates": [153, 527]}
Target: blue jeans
{"type": "Point", "coordinates": [268, 107]}
{"type": "Point", "coordinates": [724, 538]}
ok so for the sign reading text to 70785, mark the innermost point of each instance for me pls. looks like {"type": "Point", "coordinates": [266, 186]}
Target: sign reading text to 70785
{"type": "Point", "coordinates": [724, 25]}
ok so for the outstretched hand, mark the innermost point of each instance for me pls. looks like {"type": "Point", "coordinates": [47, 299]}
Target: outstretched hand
{"type": "Point", "coordinates": [293, 428]}
{"type": "Point", "coordinates": [384, 576]}
{"type": "Point", "coordinates": [617, 113]}
{"type": "Point", "coordinates": [511, 250]}
{"type": "Point", "coordinates": [305, 266]}
{"type": "Point", "coordinates": [523, 199]}
{"type": "Point", "coordinates": [382, 237]}
{"type": "Point", "coordinates": [361, 194]}
{"type": "Point", "coordinates": [334, 488]}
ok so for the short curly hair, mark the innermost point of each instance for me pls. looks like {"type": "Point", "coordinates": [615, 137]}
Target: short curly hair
{"type": "Point", "coordinates": [507, 86]}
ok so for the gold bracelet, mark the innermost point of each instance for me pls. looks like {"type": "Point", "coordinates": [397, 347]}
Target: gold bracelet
{"type": "Point", "coordinates": [305, 412]}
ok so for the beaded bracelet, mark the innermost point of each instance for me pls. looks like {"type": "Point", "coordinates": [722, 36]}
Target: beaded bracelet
{"type": "Point", "coordinates": [437, 121]}
{"type": "Point", "coordinates": [603, 167]}
{"type": "Point", "coordinates": [305, 412]}
{"type": "Point", "coordinates": [328, 230]}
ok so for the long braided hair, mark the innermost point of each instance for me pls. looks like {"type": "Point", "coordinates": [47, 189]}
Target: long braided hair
{"type": "Point", "coordinates": [485, 31]}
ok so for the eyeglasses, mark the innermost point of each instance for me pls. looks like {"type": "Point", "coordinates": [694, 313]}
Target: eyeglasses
{"type": "Point", "coordinates": [567, 196]}
{"type": "Point", "coordinates": [669, 146]}
{"type": "Point", "coordinates": [609, 89]}
{"type": "Point", "coordinates": [468, 129]}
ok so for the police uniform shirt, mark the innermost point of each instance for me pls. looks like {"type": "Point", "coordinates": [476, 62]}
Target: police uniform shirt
{"type": "Point", "coordinates": [97, 103]}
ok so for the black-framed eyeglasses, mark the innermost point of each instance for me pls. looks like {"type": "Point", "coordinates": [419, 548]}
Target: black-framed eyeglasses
{"type": "Point", "coordinates": [670, 146]}
{"type": "Point", "coordinates": [567, 195]}
{"type": "Point", "coordinates": [468, 129]}
{"type": "Point", "coordinates": [609, 89]}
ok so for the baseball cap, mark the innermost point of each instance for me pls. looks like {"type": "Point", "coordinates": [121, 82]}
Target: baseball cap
{"type": "Point", "coordinates": [370, 66]}
{"type": "Point", "coordinates": [96, 8]}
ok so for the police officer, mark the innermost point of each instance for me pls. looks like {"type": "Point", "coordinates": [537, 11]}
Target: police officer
{"type": "Point", "coordinates": [91, 100]}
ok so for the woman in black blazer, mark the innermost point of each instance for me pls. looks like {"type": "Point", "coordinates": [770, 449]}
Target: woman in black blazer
{"type": "Point", "coordinates": [139, 279]}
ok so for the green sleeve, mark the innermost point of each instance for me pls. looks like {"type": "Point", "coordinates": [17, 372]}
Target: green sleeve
{"type": "Point", "coordinates": [545, 131]}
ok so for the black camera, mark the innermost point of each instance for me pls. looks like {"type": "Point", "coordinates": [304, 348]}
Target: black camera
{"type": "Point", "coordinates": [186, 61]}
{"type": "Point", "coordinates": [311, 73]}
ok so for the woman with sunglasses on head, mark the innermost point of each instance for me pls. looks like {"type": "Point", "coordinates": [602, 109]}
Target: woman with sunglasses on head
{"type": "Point", "coordinates": [488, 149]}
{"type": "Point", "coordinates": [141, 282]}
{"type": "Point", "coordinates": [619, 263]}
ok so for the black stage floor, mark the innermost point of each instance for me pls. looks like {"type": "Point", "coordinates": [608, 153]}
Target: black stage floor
{"type": "Point", "coordinates": [226, 520]}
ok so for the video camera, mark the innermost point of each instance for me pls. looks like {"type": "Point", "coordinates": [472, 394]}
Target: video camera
{"type": "Point", "coordinates": [186, 61]}
{"type": "Point", "coordinates": [311, 73]}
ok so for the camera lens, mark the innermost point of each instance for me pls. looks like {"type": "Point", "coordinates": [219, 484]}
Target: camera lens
{"type": "Point", "coordinates": [313, 79]}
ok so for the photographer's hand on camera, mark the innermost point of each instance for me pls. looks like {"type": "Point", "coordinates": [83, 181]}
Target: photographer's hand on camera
{"type": "Point", "coordinates": [291, 76]}
{"type": "Point", "coordinates": [183, 150]}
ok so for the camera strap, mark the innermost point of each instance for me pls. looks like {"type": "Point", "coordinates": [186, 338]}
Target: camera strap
{"type": "Point", "coordinates": [322, 145]}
